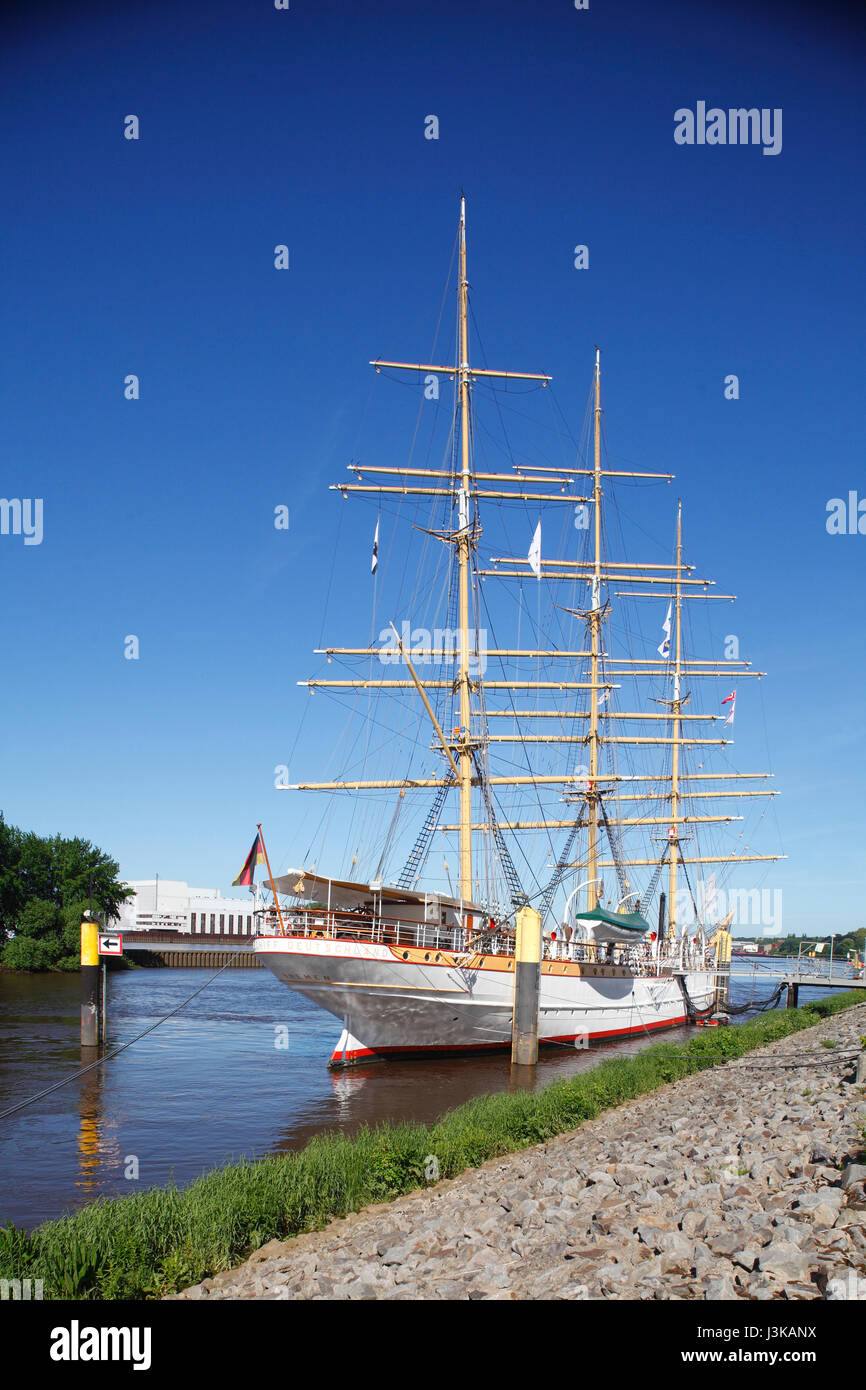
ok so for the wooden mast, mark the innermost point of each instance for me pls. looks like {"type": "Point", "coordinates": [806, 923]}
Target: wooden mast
{"type": "Point", "coordinates": [592, 887]}
{"type": "Point", "coordinates": [676, 705]}
{"type": "Point", "coordinates": [465, 489]}
{"type": "Point", "coordinates": [463, 544]}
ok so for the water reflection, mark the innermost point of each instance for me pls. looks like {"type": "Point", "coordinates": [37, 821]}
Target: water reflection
{"type": "Point", "coordinates": [89, 1139]}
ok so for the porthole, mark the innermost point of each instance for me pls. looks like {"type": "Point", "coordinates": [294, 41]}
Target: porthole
{"type": "Point", "coordinates": [427, 955]}
{"type": "Point", "coordinates": [405, 955]}
{"type": "Point", "coordinates": [437, 956]}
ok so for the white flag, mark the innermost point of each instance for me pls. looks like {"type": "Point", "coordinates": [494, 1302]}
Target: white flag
{"type": "Point", "coordinates": [732, 701]}
{"type": "Point", "coordinates": [375, 565]}
{"type": "Point", "coordinates": [534, 556]}
{"type": "Point", "coordinates": [665, 647]}
{"type": "Point", "coordinates": [595, 600]}
{"type": "Point", "coordinates": [708, 897]}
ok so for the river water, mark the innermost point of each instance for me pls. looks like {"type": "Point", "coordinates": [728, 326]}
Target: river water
{"type": "Point", "coordinates": [212, 1084]}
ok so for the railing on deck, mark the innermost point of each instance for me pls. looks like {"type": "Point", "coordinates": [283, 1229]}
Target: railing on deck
{"type": "Point", "coordinates": [382, 931]}
{"type": "Point", "coordinates": [334, 925]}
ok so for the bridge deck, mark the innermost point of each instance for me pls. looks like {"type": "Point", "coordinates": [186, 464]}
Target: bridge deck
{"type": "Point", "coordinates": [818, 975]}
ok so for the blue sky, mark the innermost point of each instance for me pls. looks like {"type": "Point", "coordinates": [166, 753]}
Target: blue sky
{"type": "Point", "coordinates": [306, 127]}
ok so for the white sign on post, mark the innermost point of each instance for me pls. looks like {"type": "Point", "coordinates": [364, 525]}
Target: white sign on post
{"type": "Point", "coordinates": [111, 945]}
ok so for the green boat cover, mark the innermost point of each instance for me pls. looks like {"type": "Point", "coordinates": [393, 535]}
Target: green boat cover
{"type": "Point", "coordinates": [628, 921]}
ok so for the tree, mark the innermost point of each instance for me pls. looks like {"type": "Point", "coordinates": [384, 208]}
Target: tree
{"type": "Point", "coordinates": [45, 884]}
{"type": "Point", "coordinates": [789, 947]}
{"type": "Point", "coordinates": [39, 918]}
{"type": "Point", "coordinates": [10, 890]}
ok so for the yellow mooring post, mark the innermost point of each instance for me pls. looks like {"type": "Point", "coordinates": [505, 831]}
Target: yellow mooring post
{"type": "Point", "coordinates": [724, 945]}
{"type": "Point", "coordinates": [89, 983]}
{"type": "Point", "coordinates": [527, 983]}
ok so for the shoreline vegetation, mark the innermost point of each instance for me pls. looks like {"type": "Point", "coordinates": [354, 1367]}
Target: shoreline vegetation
{"type": "Point", "coordinates": [46, 884]}
{"type": "Point", "coordinates": [161, 1240]}
{"type": "Point", "coordinates": [842, 945]}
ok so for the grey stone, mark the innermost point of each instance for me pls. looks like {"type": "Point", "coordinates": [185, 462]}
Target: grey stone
{"type": "Point", "coordinates": [747, 1258]}
{"type": "Point", "coordinates": [784, 1261]}
{"type": "Point", "coordinates": [397, 1254]}
{"type": "Point", "coordinates": [822, 1207]}
{"type": "Point", "coordinates": [720, 1290]}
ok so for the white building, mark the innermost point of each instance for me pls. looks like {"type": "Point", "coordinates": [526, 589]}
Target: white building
{"type": "Point", "coordinates": [168, 905]}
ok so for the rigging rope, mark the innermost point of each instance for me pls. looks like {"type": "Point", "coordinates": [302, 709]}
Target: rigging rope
{"type": "Point", "coordinates": [560, 867]}
{"type": "Point", "coordinates": [614, 849]}
{"type": "Point", "coordinates": [115, 1052]}
{"type": "Point", "coordinates": [411, 870]}
{"type": "Point", "coordinates": [647, 897]}
{"type": "Point", "coordinates": [515, 887]}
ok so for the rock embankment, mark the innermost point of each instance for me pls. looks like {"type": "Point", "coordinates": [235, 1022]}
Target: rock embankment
{"type": "Point", "coordinates": [745, 1182]}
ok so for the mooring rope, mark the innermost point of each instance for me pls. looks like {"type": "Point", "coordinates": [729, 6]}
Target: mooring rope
{"type": "Point", "coordinates": [115, 1052]}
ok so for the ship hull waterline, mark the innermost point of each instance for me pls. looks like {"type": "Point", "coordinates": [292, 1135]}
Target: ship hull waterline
{"type": "Point", "coordinates": [393, 1003]}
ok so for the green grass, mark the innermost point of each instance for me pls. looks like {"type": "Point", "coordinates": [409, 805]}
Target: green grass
{"type": "Point", "coordinates": [163, 1239]}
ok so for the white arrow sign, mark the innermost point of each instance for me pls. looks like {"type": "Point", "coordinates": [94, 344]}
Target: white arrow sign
{"type": "Point", "coordinates": [110, 945]}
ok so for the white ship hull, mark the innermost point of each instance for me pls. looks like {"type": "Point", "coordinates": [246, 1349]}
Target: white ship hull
{"type": "Point", "coordinates": [401, 1001]}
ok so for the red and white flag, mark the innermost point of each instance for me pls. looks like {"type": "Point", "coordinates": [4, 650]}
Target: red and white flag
{"type": "Point", "coordinates": [732, 701]}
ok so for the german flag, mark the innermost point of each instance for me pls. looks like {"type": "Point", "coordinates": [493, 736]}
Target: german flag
{"type": "Point", "coordinates": [247, 873]}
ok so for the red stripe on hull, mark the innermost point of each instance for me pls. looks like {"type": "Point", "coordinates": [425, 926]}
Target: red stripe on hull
{"type": "Point", "coordinates": [360, 1054]}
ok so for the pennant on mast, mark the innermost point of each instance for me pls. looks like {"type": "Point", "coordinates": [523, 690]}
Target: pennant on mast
{"type": "Point", "coordinates": [534, 556]}
{"type": "Point", "coordinates": [664, 647]}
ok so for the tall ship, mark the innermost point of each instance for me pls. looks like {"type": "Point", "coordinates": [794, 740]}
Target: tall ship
{"type": "Point", "coordinates": [574, 764]}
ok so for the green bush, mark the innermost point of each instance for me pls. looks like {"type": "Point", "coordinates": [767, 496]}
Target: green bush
{"type": "Point", "coordinates": [39, 918]}
{"type": "Point", "coordinates": [25, 953]}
